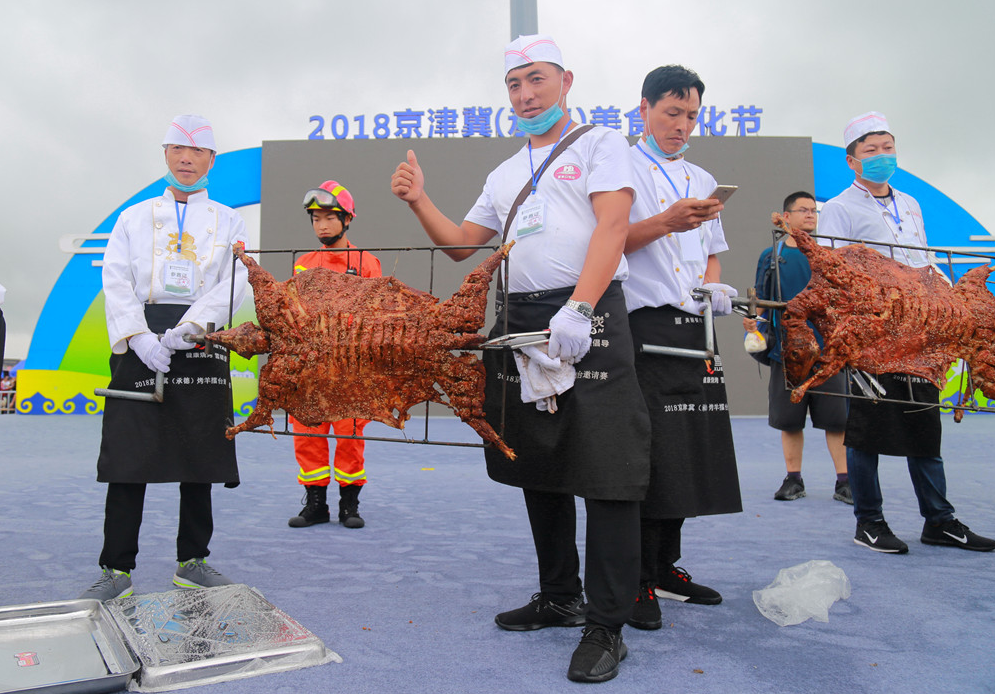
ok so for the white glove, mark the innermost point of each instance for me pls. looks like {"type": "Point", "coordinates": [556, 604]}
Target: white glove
{"type": "Point", "coordinates": [174, 338]}
{"type": "Point", "coordinates": [569, 335]}
{"type": "Point", "coordinates": [148, 348]}
{"type": "Point", "coordinates": [721, 297]}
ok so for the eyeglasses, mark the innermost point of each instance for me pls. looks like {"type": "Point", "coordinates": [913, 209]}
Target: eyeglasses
{"type": "Point", "coordinates": [805, 210]}
{"type": "Point", "coordinates": [320, 198]}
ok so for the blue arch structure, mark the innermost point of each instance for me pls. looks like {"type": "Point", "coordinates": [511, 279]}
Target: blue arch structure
{"type": "Point", "coordinates": [235, 181]}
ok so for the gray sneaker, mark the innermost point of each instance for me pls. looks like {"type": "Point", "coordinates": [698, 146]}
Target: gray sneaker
{"type": "Point", "coordinates": [197, 573]}
{"type": "Point", "coordinates": [111, 584]}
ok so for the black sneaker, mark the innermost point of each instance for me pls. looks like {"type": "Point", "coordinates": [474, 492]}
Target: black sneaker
{"type": "Point", "coordinates": [790, 490]}
{"type": "Point", "coordinates": [542, 612]}
{"type": "Point", "coordinates": [877, 535]}
{"type": "Point", "coordinates": [955, 534]}
{"type": "Point", "coordinates": [597, 656]}
{"type": "Point", "coordinates": [843, 493]}
{"type": "Point", "coordinates": [646, 613]}
{"type": "Point", "coordinates": [676, 584]}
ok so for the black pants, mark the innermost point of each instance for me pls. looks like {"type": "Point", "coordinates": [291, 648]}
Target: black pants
{"type": "Point", "coordinates": [611, 571]}
{"type": "Point", "coordinates": [123, 519]}
{"type": "Point", "coordinates": [661, 546]}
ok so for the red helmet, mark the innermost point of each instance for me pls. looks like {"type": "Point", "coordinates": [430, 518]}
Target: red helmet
{"type": "Point", "coordinates": [330, 196]}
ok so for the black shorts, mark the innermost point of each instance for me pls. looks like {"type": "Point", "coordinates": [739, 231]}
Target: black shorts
{"type": "Point", "coordinates": [828, 411]}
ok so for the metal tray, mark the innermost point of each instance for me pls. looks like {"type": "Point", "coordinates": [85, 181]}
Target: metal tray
{"type": "Point", "coordinates": [184, 638]}
{"type": "Point", "coordinates": [68, 646]}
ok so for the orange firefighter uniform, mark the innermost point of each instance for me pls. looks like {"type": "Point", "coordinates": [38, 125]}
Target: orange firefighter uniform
{"type": "Point", "coordinates": [312, 452]}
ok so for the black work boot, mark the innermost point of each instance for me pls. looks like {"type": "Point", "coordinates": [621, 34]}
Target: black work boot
{"type": "Point", "coordinates": [349, 506]}
{"type": "Point", "coordinates": [315, 508]}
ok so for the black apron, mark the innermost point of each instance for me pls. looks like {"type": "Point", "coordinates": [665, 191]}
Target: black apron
{"type": "Point", "coordinates": [596, 446]}
{"type": "Point", "coordinates": [902, 429]}
{"type": "Point", "coordinates": [693, 461]}
{"type": "Point", "coordinates": [181, 439]}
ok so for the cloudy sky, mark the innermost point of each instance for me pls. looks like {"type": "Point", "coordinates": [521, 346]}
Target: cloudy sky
{"type": "Point", "coordinates": [88, 88]}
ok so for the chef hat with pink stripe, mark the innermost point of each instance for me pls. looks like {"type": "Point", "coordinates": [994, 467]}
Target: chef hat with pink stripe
{"type": "Point", "coordinates": [526, 50]}
{"type": "Point", "coordinates": [192, 131]}
{"type": "Point", "coordinates": [870, 122]}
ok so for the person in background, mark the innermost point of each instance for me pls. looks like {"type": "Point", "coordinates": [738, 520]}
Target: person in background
{"type": "Point", "coordinates": [167, 274]}
{"type": "Point", "coordinates": [565, 272]}
{"type": "Point", "coordinates": [828, 412]}
{"type": "Point", "coordinates": [874, 212]}
{"type": "Point", "coordinates": [332, 208]}
{"type": "Point", "coordinates": [675, 236]}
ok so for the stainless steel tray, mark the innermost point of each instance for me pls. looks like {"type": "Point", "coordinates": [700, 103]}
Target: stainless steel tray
{"type": "Point", "coordinates": [69, 646]}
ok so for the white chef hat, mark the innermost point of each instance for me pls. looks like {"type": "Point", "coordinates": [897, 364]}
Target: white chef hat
{"type": "Point", "coordinates": [531, 49]}
{"type": "Point", "coordinates": [192, 131]}
{"type": "Point", "coordinates": [870, 122]}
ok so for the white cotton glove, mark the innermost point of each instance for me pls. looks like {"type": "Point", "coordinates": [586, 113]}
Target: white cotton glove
{"type": "Point", "coordinates": [721, 297]}
{"type": "Point", "coordinates": [153, 354]}
{"type": "Point", "coordinates": [569, 336]}
{"type": "Point", "coordinates": [174, 338]}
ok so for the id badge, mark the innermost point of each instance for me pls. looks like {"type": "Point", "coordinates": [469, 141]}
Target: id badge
{"type": "Point", "coordinates": [179, 277]}
{"type": "Point", "coordinates": [691, 246]}
{"type": "Point", "coordinates": [531, 216]}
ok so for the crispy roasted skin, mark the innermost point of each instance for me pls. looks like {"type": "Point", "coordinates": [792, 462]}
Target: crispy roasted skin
{"type": "Point", "coordinates": [342, 347]}
{"type": "Point", "coordinates": [880, 316]}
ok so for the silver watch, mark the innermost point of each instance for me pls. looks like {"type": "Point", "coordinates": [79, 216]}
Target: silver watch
{"type": "Point", "coordinates": [582, 307]}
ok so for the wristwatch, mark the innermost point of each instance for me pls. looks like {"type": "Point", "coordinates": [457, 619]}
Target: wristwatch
{"type": "Point", "coordinates": [582, 307]}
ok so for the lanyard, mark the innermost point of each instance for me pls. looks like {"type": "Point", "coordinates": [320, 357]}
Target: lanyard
{"type": "Point", "coordinates": [180, 219]}
{"type": "Point", "coordinates": [535, 177]}
{"type": "Point", "coordinates": [687, 190]}
{"type": "Point", "coordinates": [894, 217]}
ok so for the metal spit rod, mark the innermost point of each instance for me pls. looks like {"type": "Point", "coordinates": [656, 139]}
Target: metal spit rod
{"type": "Point", "coordinates": [160, 378]}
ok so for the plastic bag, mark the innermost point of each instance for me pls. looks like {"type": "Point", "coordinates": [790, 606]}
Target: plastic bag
{"type": "Point", "coordinates": [802, 592]}
{"type": "Point", "coordinates": [754, 341]}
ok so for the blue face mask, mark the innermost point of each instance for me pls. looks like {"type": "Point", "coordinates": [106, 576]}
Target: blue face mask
{"type": "Point", "coordinates": [171, 180]}
{"type": "Point", "coordinates": [879, 168]}
{"type": "Point", "coordinates": [538, 125]}
{"type": "Point", "coordinates": [655, 148]}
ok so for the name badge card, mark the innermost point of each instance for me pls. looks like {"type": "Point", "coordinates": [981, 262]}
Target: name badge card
{"type": "Point", "coordinates": [179, 276]}
{"type": "Point", "coordinates": [531, 216]}
{"type": "Point", "coordinates": [691, 245]}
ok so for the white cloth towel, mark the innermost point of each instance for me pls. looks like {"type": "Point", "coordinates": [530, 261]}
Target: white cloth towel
{"type": "Point", "coordinates": [543, 378]}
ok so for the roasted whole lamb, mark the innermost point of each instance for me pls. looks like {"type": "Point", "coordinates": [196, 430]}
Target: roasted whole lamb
{"type": "Point", "coordinates": [342, 346]}
{"type": "Point", "coordinates": [880, 316]}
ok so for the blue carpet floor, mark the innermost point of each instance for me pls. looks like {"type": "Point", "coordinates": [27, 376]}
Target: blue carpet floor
{"type": "Point", "coordinates": [409, 600]}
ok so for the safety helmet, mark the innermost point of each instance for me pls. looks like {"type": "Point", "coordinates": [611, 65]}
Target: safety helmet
{"type": "Point", "coordinates": [330, 196]}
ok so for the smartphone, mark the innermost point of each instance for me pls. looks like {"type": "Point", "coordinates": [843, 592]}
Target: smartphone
{"type": "Point", "coordinates": [723, 193]}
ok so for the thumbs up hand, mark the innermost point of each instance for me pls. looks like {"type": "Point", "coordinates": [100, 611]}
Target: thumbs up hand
{"type": "Point", "coordinates": [408, 181]}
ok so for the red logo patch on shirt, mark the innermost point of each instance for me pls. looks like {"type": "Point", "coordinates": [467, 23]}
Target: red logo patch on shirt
{"type": "Point", "coordinates": [567, 172]}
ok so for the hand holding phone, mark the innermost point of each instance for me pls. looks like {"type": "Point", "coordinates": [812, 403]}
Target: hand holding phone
{"type": "Point", "coordinates": [722, 193]}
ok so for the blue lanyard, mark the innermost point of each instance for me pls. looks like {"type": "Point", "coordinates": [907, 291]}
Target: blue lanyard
{"type": "Point", "coordinates": [535, 177]}
{"type": "Point", "coordinates": [180, 219]}
{"type": "Point", "coordinates": [894, 217]}
{"type": "Point", "coordinates": [687, 190]}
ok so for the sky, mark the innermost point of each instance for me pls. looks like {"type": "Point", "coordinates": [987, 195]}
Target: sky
{"type": "Point", "coordinates": [88, 88]}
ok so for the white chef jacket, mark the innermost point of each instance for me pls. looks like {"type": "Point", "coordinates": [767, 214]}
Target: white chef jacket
{"type": "Point", "coordinates": [145, 238]}
{"type": "Point", "coordinates": [856, 214]}
{"type": "Point", "coordinates": [664, 272]}
{"type": "Point", "coordinates": [553, 258]}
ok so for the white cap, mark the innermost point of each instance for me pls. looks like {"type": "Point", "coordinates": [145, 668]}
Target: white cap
{"type": "Point", "coordinates": [192, 131]}
{"type": "Point", "coordinates": [526, 50]}
{"type": "Point", "coordinates": [870, 122]}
